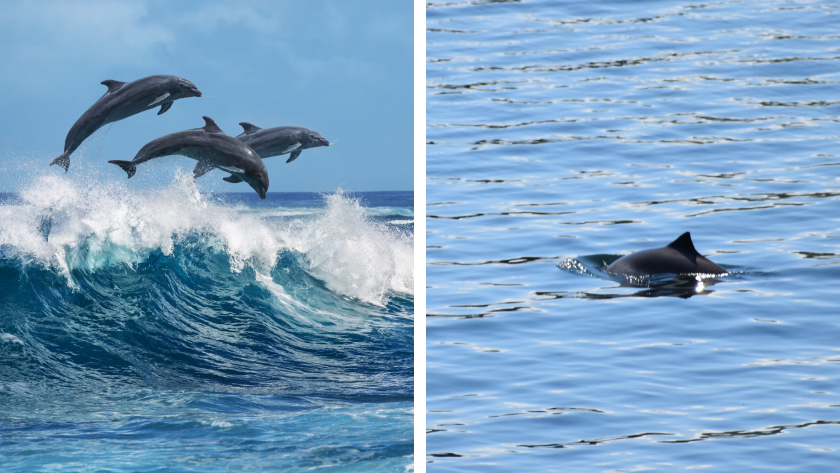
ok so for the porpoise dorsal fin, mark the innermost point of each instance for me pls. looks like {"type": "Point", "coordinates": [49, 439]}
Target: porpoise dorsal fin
{"type": "Point", "coordinates": [113, 85]}
{"type": "Point", "coordinates": [684, 244]}
{"type": "Point", "coordinates": [211, 126]}
{"type": "Point", "coordinates": [249, 129]}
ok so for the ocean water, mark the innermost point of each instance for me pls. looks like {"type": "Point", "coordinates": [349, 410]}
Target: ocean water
{"type": "Point", "coordinates": [170, 330]}
{"type": "Point", "coordinates": [562, 135]}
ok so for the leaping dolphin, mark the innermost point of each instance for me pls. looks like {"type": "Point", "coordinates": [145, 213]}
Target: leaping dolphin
{"type": "Point", "coordinates": [274, 142]}
{"type": "Point", "coordinates": [679, 257]}
{"type": "Point", "coordinates": [210, 146]}
{"type": "Point", "coordinates": [122, 100]}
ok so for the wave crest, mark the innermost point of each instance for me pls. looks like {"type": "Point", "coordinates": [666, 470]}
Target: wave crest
{"type": "Point", "coordinates": [60, 224]}
{"type": "Point", "coordinates": [354, 255]}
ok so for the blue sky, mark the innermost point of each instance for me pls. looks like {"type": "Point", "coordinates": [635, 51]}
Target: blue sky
{"type": "Point", "coordinates": [342, 68]}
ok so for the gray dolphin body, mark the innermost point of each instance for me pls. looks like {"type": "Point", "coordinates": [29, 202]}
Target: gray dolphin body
{"type": "Point", "coordinates": [679, 257]}
{"type": "Point", "coordinates": [210, 146]}
{"type": "Point", "coordinates": [123, 100]}
{"type": "Point", "coordinates": [274, 142]}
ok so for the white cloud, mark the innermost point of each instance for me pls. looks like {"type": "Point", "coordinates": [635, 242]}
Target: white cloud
{"type": "Point", "coordinates": [209, 17]}
{"type": "Point", "coordinates": [46, 38]}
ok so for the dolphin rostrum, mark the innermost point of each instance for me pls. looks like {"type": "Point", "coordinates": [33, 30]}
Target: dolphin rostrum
{"type": "Point", "coordinates": [122, 100]}
{"type": "Point", "coordinates": [679, 257]}
{"type": "Point", "coordinates": [274, 142]}
{"type": "Point", "coordinates": [211, 146]}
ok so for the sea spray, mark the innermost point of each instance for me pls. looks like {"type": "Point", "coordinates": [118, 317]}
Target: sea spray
{"type": "Point", "coordinates": [353, 255]}
{"type": "Point", "coordinates": [65, 226]}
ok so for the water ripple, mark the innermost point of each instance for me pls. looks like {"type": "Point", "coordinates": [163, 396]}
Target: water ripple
{"type": "Point", "coordinates": [561, 136]}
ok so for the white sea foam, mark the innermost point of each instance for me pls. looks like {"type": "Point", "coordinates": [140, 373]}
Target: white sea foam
{"type": "Point", "coordinates": [7, 337]}
{"type": "Point", "coordinates": [381, 211]}
{"type": "Point", "coordinates": [353, 255]}
{"type": "Point", "coordinates": [65, 225]}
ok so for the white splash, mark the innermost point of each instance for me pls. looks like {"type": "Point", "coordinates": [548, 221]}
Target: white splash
{"type": "Point", "coordinates": [353, 255]}
{"type": "Point", "coordinates": [65, 225]}
{"type": "Point", "coordinates": [9, 338]}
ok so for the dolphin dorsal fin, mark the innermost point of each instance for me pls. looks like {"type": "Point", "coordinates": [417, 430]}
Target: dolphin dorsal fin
{"type": "Point", "coordinates": [211, 126]}
{"type": "Point", "coordinates": [249, 129]}
{"type": "Point", "coordinates": [113, 85]}
{"type": "Point", "coordinates": [684, 244]}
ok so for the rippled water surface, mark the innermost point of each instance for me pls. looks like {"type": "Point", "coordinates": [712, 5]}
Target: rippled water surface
{"type": "Point", "coordinates": [562, 135]}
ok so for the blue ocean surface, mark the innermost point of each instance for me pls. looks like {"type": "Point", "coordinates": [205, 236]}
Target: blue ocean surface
{"type": "Point", "coordinates": [563, 135]}
{"type": "Point", "coordinates": [170, 330]}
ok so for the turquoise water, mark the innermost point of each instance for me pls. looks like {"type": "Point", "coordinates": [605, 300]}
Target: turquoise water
{"type": "Point", "coordinates": [169, 330]}
{"type": "Point", "coordinates": [562, 135]}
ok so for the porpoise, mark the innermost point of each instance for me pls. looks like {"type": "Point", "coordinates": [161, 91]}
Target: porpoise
{"type": "Point", "coordinates": [679, 257]}
{"type": "Point", "coordinates": [211, 146]}
{"type": "Point", "coordinates": [274, 142]}
{"type": "Point", "coordinates": [122, 100]}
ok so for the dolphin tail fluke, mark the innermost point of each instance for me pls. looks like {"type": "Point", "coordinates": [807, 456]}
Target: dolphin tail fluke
{"type": "Point", "coordinates": [63, 161]}
{"type": "Point", "coordinates": [127, 166]}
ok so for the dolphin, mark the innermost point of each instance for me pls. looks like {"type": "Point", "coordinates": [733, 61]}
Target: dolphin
{"type": "Point", "coordinates": [122, 100]}
{"type": "Point", "coordinates": [209, 145]}
{"type": "Point", "coordinates": [274, 142]}
{"type": "Point", "coordinates": [679, 257]}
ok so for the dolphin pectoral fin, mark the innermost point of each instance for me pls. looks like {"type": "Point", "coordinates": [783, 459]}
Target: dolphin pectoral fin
{"type": "Point", "coordinates": [63, 161]}
{"type": "Point", "coordinates": [294, 155]}
{"type": "Point", "coordinates": [159, 100]}
{"type": "Point", "coordinates": [291, 148]}
{"type": "Point", "coordinates": [165, 107]}
{"type": "Point", "coordinates": [126, 166]}
{"type": "Point", "coordinates": [232, 179]}
{"type": "Point", "coordinates": [113, 85]}
{"type": "Point", "coordinates": [201, 169]}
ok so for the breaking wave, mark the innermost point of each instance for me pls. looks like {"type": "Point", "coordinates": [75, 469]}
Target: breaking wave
{"type": "Point", "coordinates": [60, 225]}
